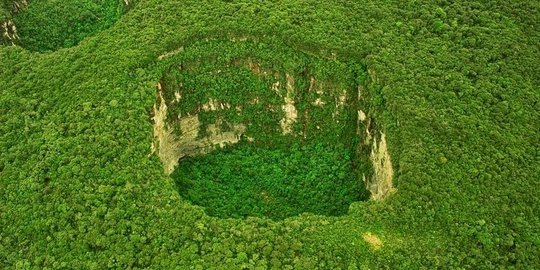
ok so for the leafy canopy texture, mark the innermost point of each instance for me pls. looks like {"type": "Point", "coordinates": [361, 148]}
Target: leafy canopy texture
{"type": "Point", "coordinates": [54, 24]}
{"type": "Point", "coordinates": [253, 181]}
{"type": "Point", "coordinates": [453, 85]}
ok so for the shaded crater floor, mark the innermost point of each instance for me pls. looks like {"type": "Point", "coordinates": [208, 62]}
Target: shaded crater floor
{"type": "Point", "coordinates": [246, 180]}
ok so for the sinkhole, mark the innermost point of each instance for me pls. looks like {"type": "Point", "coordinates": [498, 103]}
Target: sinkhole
{"type": "Point", "coordinates": [49, 25]}
{"type": "Point", "coordinates": [251, 128]}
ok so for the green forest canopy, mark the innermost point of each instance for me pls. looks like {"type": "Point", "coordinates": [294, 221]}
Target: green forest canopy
{"type": "Point", "coordinates": [454, 85]}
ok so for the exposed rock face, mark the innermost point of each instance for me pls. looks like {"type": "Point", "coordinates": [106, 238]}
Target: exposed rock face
{"type": "Point", "coordinates": [18, 5]}
{"type": "Point", "coordinates": [380, 184]}
{"type": "Point", "coordinates": [291, 114]}
{"type": "Point", "coordinates": [171, 148]}
{"type": "Point", "coordinates": [9, 32]}
{"type": "Point", "coordinates": [164, 141]}
{"type": "Point", "coordinates": [361, 115]}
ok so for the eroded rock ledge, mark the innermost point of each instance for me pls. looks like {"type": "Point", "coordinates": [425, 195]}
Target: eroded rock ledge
{"type": "Point", "coordinates": [380, 184]}
{"type": "Point", "coordinates": [8, 30]}
{"type": "Point", "coordinates": [171, 148]}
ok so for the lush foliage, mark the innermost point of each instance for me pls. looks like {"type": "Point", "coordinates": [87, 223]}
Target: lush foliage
{"type": "Point", "coordinates": [53, 24]}
{"type": "Point", "coordinates": [454, 85]}
{"type": "Point", "coordinates": [255, 181]}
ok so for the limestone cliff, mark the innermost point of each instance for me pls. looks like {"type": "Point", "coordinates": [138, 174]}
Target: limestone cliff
{"type": "Point", "coordinates": [380, 185]}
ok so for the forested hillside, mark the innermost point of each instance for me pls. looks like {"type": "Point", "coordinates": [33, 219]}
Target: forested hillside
{"type": "Point", "coordinates": [269, 134]}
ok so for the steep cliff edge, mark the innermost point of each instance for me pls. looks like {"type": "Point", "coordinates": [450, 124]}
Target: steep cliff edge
{"type": "Point", "coordinates": [268, 95]}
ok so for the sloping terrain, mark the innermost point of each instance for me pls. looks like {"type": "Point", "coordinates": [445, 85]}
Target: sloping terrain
{"type": "Point", "coordinates": [453, 86]}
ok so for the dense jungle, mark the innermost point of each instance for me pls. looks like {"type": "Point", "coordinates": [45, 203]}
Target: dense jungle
{"type": "Point", "coordinates": [257, 134]}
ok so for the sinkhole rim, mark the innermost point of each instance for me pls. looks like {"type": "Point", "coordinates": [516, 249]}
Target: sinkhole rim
{"type": "Point", "coordinates": [370, 148]}
{"type": "Point", "coordinates": [22, 25]}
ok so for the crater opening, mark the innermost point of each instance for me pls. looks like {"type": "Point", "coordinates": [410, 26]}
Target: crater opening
{"type": "Point", "coordinates": [49, 25]}
{"type": "Point", "coordinates": [249, 128]}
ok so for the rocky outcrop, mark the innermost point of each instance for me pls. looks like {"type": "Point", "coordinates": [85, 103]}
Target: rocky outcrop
{"type": "Point", "coordinates": [171, 148]}
{"type": "Point", "coordinates": [291, 114]}
{"type": "Point", "coordinates": [18, 5]}
{"type": "Point", "coordinates": [380, 185]}
{"type": "Point", "coordinates": [9, 32]}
